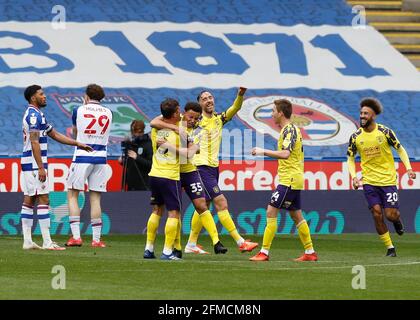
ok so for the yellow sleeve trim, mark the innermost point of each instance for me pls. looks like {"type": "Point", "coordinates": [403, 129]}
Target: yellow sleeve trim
{"type": "Point", "coordinates": [233, 109]}
{"type": "Point", "coordinates": [352, 166]}
{"type": "Point", "coordinates": [404, 157]}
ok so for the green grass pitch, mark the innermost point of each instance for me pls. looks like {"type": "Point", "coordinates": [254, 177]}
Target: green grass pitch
{"type": "Point", "coordinates": [120, 272]}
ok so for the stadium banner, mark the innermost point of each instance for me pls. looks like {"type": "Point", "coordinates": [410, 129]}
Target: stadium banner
{"type": "Point", "coordinates": [235, 175]}
{"type": "Point", "coordinates": [156, 55]}
{"type": "Point", "coordinates": [327, 212]}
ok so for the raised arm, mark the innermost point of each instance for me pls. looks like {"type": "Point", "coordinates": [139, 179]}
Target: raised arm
{"type": "Point", "coordinates": [236, 106]}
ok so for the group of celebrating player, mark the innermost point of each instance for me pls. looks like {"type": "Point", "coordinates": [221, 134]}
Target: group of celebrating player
{"type": "Point", "coordinates": [186, 156]}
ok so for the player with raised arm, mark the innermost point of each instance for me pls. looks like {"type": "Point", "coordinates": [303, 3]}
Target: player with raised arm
{"type": "Point", "coordinates": [287, 194]}
{"type": "Point", "coordinates": [373, 141]}
{"type": "Point", "coordinates": [193, 186]}
{"type": "Point", "coordinates": [92, 125]}
{"type": "Point", "coordinates": [207, 162]}
{"type": "Point", "coordinates": [34, 164]}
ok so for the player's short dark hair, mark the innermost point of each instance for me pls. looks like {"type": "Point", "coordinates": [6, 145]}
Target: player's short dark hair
{"type": "Point", "coordinates": [30, 91]}
{"type": "Point", "coordinates": [95, 92]}
{"type": "Point", "coordinates": [372, 103]}
{"type": "Point", "coordinates": [199, 95]}
{"type": "Point", "coordinates": [168, 107]}
{"type": "Point", "coordinates": [194, 106]}
{"type": "Point", "coordinates": [284, 106]}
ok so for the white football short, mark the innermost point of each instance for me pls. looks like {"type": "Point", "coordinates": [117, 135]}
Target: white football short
{"type": "Point", "coordinates": [95, 175]}
{"type": "Point", "coordinates": [31, 185]}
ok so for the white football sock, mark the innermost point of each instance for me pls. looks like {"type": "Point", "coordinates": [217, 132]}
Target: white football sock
{"type": "Point", "coordinates": [27, 217]}
{"type": "Point", "coordinates": [43, 215]}
{"type": "Point", "coordinates": [96, 229]}
{"type": "Point", "coordinates": [75, 226]}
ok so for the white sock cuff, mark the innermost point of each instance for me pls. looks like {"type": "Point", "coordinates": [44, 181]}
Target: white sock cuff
{"type": "Point", "coordinates": [96, 222]}
{"type": "Point", "coordinates": [265, 251]}
{"type": "Point", "coordinates": [26, 209]}
{"type": "Point", "coordinates": [42, 210]}
{"type": "Point", "coordinates": [74, 219]}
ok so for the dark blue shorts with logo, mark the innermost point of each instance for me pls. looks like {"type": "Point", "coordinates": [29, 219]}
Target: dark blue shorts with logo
{"type": "Point", "coordinates": [285, 198]}
{"type": "Point", "coordinates": [192, 185]}
{"type": "Point", "coordinates": [210, 179]}
{"type": "Point", "coordinates": [386, 197]}
{"type": "Point", "coordinates": [166, 192]}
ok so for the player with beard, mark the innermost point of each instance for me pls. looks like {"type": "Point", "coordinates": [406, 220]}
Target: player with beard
{"type": "Point", "coordinates": [209, 133]}
{"type": "Point", "coordinates": [34, 164]}
{"type": "Point", "coordinates": [373, 141]}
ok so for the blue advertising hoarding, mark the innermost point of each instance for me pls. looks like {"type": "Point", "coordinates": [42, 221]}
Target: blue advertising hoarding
{"type": "Point", "coordinates": [327, 212]}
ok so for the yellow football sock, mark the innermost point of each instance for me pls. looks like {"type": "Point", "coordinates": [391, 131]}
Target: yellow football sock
{"type": "Point", "coordinates": [152, 227]}
{"type": "Point", "coordinates": [170, 232]}
{"type": "Point", "coordinates": [208, 223]}
{"type": "Point", "coordinates": [177, 244]}
{"type": "Point", "coordinates": [227, 222]}
{"type": "Point", "coordinates": [386, 239]}
{"type": "Point", "coordinates": [196, 226]}
{"type": "Point", "coordinates": [305, 235]}
{"type": "Point", "coordinates": [269, 233]}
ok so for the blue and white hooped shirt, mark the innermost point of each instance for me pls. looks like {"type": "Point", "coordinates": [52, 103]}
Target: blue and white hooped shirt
{"type": "Point", "coordinates": [34, 121]}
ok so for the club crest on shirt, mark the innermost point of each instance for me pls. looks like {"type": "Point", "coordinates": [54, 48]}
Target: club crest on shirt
{"type": "Point", "coordinates": [380, 139]}
{"type": "Point", "coordinates": [32, 119]}
{"type": "Point", "coordinates": [320, 124]}
{"type": "Point", "coordinates": [123, 108]}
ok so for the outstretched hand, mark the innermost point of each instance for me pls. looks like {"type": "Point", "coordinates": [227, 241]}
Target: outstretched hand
{"type": "Point", "coordinates": [357, 183]}
{"type": "Point", "coordinates": [84, 147]}
{"type": "Point", "coordinates": [411, 174]}
{"type": "Point", "coordinates": [257, 151]}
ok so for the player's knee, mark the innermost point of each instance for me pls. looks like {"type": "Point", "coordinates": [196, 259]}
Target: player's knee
{"type": "Point", "coordinates": [221, 204]}
{"type": "Point", "coordinates": [201, 206]}
{"type": "Point", "coordinates": [377, 213]}
{"type": "Point", "coordinates": [392, 214]}
{"type": "Point", "coordinates": [173, 214]}
{"type": "Point", "coordinates": [158, 210]}
{"type": "Point", "coordinates": [44, 199]}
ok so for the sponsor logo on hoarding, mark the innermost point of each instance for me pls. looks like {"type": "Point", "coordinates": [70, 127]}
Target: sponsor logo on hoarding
{"type": "Point", "coordinates": [319, 175]}
{"type": "Point", "coordinates": [254, 222]}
